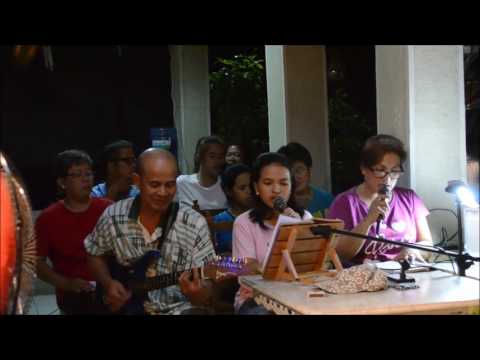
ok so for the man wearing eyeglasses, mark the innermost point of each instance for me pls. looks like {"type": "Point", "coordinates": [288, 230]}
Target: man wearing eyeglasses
{"type": "Point", "coordinates": [60, 230]}
{"type": "Point", "coordinates": [400, 213]}
{"type": "Point", "coordinates": [118, 162]}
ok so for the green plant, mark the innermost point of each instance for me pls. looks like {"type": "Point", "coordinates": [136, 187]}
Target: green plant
{"type": "Point", "coordinates": [348, 131]}
{"type": "Point", "coordinates": [238, 99]}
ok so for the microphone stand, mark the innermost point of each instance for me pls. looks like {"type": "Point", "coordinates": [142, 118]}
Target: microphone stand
{"type": "Point", "coordinates": [461, 243]}
{"type": "Point", "coordinates": [463, 259]}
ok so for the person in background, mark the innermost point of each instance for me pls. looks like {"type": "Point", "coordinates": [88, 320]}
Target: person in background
{"type": "Point", "coordinates": [253, 230]}
{"type": "Point", "coordinates": [404, 213]}
{"type": "Point", "coordinates": [235, 155]}
{"type": "Point", "coordinates": [315, 200]}
{"type": "Point", "coordinates": [118, 162]}
{"type": "Point", "coordinates": [236, 185]}
{"type": "Point", "coordinates": [60, 231]}
{"type": "Point", "coordinates": [204, 186]}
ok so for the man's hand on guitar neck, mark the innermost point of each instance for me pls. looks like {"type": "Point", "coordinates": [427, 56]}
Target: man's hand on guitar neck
{"type": "Point", "coordinates": [116, 295]}
{"type": "Point", "coordinates": [198, 292]}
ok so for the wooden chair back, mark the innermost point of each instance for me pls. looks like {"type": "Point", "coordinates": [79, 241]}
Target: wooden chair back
{"type": "Point", "coordinates": [213, 227]}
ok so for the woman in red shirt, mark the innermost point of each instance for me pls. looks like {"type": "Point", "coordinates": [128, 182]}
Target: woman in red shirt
{"type": "Point", "coordinates": [61, 229]}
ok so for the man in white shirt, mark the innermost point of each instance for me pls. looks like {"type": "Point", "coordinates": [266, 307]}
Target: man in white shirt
{"type": "Point", "coordinates": [205, 186]}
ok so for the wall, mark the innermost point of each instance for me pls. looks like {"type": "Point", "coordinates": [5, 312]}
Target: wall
{"type": "Point", "coordinates": [297, 103]}
{"type": "Point", "coordinates": [92, 96]}
{"type": "Point", "coordinates": [420, 99]}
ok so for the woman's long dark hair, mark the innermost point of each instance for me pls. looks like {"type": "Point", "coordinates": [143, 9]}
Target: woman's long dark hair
{"type": "Point", "coordinates": [260, 211]}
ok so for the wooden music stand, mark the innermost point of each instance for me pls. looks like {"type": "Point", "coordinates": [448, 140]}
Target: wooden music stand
{"type": "Point", "coordinates": [297, 254]}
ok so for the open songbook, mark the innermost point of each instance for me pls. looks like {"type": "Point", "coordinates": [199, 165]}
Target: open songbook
{"type": "Point", "coordinates": [296, 250]}
{"type": "Point", "coordinates": [283, 220]}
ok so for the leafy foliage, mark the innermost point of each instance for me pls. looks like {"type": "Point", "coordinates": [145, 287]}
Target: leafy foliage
{"type": "Point", "coordinates": [239, 100]}
{"type": "Point", "coordinates": [348, 131]}
{"type": "Point", "coordinates": [240, 114]}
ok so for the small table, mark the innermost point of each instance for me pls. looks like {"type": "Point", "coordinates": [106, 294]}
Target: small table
{"type": "Point", "coordinates": [438, 293]}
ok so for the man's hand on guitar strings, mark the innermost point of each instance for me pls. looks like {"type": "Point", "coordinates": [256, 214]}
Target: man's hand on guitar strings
{"type": "Point", "coordinates": [197, 292]}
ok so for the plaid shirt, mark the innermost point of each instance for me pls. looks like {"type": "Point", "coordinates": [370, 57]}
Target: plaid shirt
{"type": "Point", "coordinates": [186, 245]}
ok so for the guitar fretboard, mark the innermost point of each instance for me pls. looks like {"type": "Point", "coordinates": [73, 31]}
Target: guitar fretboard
{"type": "Point", "coordinates": [166, 280]}
{"type": "Point", "coordinates": [159, 282]}
{"type": "Point", "coordinates": [162, 281]}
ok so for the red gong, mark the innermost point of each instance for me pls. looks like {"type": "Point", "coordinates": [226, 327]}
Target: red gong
{"type": "Point", "coordinates": [17, 246]}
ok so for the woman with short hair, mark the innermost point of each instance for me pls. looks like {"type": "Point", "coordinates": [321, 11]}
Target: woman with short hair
{"type": "Point", "coordinates": [404, 213]}
{"type": "Point", "coordinates": [61, 230]}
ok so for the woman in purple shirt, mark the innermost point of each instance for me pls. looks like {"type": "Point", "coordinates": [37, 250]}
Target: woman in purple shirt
{"type": "Point", "coordinates": [405, 215]}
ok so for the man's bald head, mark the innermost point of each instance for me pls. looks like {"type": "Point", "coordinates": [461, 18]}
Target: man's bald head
{"type": "Point", "coordinates": [156, 180]}
{"type": "Point", "coordinates": [153, 156]}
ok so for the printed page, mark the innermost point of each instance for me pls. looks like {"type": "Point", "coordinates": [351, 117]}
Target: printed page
{"type": "Point", "coordinates": [284, 220]}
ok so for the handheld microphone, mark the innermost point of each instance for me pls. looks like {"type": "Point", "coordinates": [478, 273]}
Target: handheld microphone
{"type": "Point", "coordinates": [279, 204]}
{"type": "Point", "coordinates": [384, 190]}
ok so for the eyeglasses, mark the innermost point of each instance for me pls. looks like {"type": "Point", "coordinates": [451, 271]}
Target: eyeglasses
{"type": "Point", "coordinates": [128, 161]}
{"type": "Point", "coordinates": [300, 171]}
{"type": "Point", "coordinates": [88, 175]}
{"type": "Point", "coordinates": [380, 173]}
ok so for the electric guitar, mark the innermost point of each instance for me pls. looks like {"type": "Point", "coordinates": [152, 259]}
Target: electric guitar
{"type": "Point", "coordinates": [134, 278]}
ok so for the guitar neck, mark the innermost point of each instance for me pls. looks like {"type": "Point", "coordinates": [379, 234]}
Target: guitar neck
{"type": "Point", "coordinates": [209, 271]}
{"type": "Point", "coordinates": [160, 281]}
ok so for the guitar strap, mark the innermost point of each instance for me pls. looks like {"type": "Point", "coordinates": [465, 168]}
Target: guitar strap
{"type": "Point", "coordinates": [168, 222]}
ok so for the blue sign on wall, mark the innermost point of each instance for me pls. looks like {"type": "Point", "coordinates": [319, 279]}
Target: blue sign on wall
{"type": "Point", "coordinates": [164, 138]}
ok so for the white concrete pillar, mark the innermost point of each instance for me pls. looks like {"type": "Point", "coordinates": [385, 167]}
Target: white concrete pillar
{"type": "Point", "coordinates": [298, 104]}
{"type": "Point", "coordinates": [191, 99]}
{"type": "Point", "coordinates": [420, 99]}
